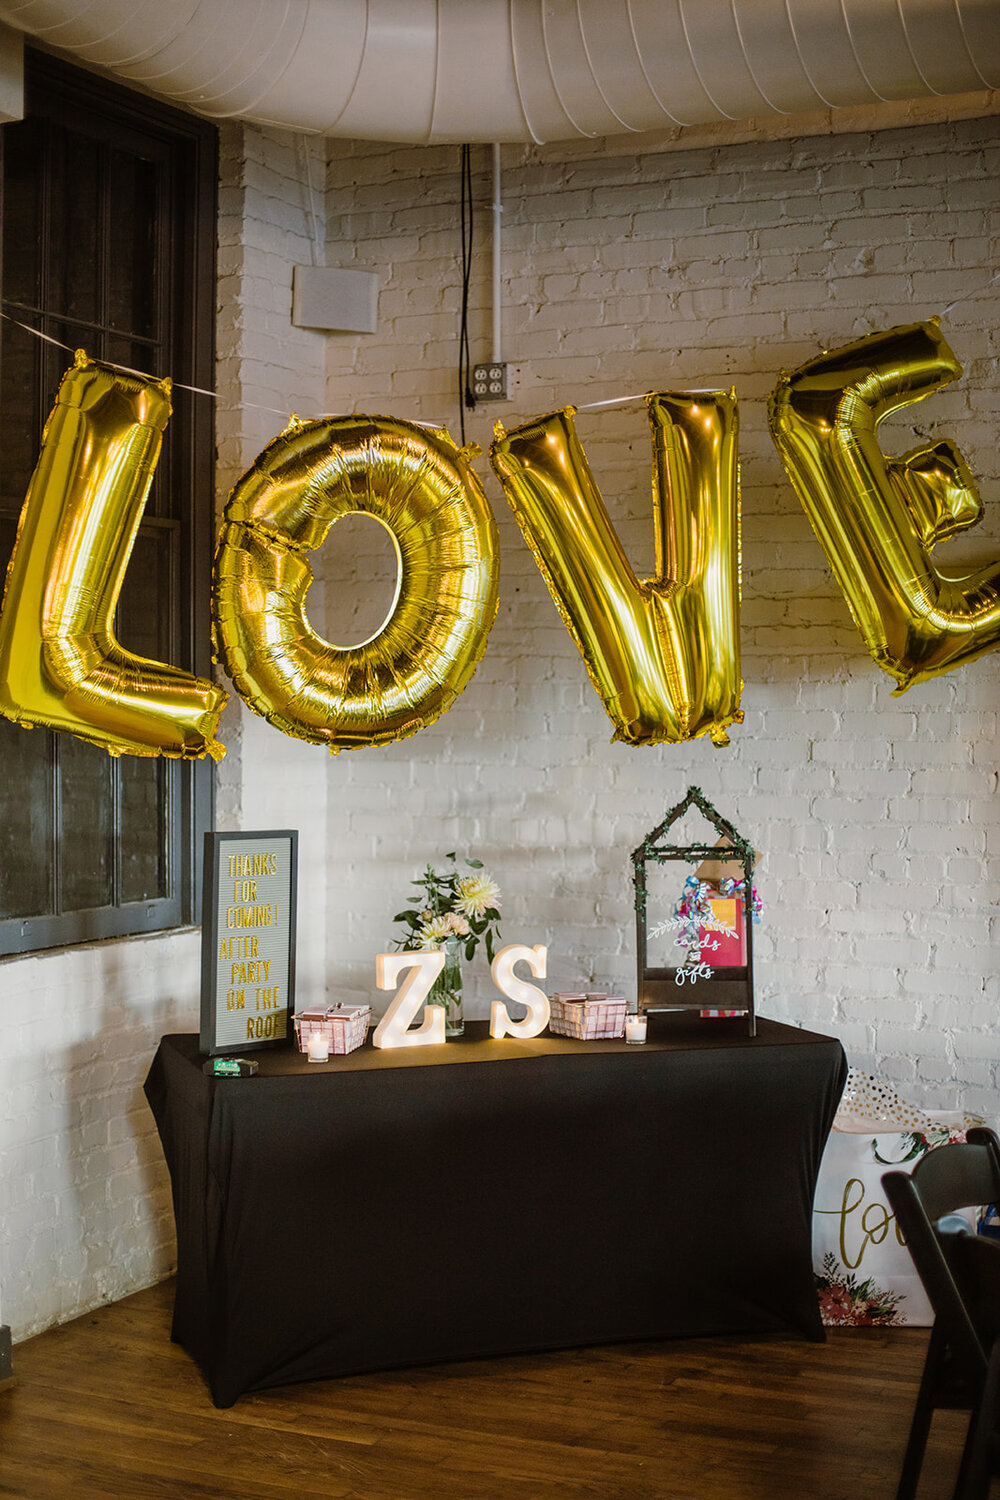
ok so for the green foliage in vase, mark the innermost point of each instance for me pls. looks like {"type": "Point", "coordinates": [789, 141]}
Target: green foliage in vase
{"type": "Point", "coordinates": [453, 905]}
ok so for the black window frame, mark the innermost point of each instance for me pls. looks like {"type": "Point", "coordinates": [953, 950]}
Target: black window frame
{"type": "Point", "coordinates": [189, 243]}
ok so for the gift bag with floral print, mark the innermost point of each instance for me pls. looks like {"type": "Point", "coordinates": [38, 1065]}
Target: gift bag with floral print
{"type": "Point", "coordinates": [864, 1274]}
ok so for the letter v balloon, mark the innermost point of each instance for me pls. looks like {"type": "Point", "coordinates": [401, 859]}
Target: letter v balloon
{"type": "Point", "coordinates": [662, 652]}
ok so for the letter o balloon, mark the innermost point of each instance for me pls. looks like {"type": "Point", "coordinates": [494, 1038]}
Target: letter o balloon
{"type": "Point", "coordinates": [421, 487]}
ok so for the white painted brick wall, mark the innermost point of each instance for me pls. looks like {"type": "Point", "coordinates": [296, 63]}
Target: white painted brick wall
{"type": "Point", "coordinates": [268, 780]}
{"type": "Point", "coordinates": [877, 816]}
{"type": "Point", "coordinates": [85, 1213]}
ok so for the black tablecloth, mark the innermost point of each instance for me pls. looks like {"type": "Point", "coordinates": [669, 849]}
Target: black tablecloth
{"type": "Point", "coordinates": [484, 1197]}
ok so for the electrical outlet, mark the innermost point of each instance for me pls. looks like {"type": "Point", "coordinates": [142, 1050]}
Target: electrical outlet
{"type": "Point", "coordinates": [489, 381]}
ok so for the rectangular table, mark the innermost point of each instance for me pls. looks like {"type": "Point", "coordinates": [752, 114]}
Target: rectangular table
{"type": "Point", "coordinates": [488, 1197]}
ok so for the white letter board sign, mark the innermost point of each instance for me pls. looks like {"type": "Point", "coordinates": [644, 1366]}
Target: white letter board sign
{"type": "Point", "coordinates": [248, 940]}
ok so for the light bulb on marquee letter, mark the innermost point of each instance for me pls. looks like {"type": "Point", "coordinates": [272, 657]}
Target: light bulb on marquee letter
{"type": "Point", "coordinates": [394, 1029]}
{"type": "Point", "coordinates": [530, 995]}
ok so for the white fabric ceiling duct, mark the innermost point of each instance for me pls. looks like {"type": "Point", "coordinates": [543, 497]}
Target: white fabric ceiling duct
{"type": "Point", "coordinates": [520, 70]}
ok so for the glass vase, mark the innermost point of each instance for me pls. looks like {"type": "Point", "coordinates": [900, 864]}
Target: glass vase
{"type": "Point", "coordinates": [447, 988]}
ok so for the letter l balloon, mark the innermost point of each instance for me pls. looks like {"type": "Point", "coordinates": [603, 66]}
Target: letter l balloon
{"type": "Point", "coordinates": [60, 664]}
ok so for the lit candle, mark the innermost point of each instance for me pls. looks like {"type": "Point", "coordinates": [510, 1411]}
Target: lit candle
{"type": "Point", "coordinates": [635, 1029]}
{"type": "Point", "coordinates": [318, 1046]}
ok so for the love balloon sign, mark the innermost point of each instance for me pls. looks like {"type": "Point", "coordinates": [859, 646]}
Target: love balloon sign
{"type": "Point", "coordinates": [663, 652]}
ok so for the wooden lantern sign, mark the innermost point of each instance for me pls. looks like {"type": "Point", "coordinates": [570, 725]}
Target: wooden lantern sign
{"type": "Point", "coordinates": [710, 926]}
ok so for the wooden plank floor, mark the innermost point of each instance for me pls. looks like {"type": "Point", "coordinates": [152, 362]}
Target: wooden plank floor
{"type": "Point", "coordinates": [107, 1407]}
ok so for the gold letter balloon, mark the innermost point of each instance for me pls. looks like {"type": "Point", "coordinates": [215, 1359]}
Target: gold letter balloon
{"type": "Point", "coordinates": [877, 517]}
{"type": "Point", "coordinates": [663, 653]}
{"type": "Point", "coordinates": [421, 487]}
{"type": "Point", "coordinates": [60, 664]}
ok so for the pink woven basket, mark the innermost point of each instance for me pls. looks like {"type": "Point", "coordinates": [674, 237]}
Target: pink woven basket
{"type": "Point", "coordinates": [344, 1026]}
{"type": "Point", "coordinates": [587, 1017]}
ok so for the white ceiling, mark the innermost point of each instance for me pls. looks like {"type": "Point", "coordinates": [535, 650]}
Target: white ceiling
{"type": "Point", "coordinates": [523, 70]}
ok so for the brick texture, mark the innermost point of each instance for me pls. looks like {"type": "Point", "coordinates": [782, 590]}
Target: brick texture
{"type": "Point", "coordinates": [626, 268]}
{"type": "Point", "coordinates": [876, 816]}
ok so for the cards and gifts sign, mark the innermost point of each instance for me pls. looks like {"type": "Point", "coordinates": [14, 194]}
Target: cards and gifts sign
{"type": "Point", "coordinates": [248, 939]}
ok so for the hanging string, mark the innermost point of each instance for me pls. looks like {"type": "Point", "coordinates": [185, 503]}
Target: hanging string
{"type": "Point", "coordinates": [199, 390]}
{"type": "Point", "coordinates": [37, 332]}
{"type": "Point", "coordinates": [466, 398]}
{"type": "Point", "coordinates": [974, 293]}
{"type": "Point", "coordinates": [615, 401]}
{"type": "Point", "coordinates": [697, 390]}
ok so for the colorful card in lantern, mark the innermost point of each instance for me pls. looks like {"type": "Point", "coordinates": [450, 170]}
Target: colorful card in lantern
{"type": "Point", "coordinates": [725, 948]}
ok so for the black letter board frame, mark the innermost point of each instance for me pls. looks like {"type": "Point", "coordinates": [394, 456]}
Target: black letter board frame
{"type": "Point", "coordinates": [280, 945]}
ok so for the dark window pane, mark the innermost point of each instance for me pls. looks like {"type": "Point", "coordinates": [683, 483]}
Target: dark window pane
{"type": "Point", "coordinates": [87, 810]}
{"type": "Point", "coordinates": [22, 358]}
{"type": "Point", "coordinates": [25, 820]}
{"type": "Point", "coordinates": [144, 827]}
{"type": "Point", "coordinates": [132, 262]}
{"type": "Point", "coordinates": [23, 149]}
{"type": "Point", "coordinates": [121, 350]}
{"type": "Point", "coordinates": [8, 528]}
{"type": "Point", "coordinates": [144, 628]}
{"type": "Point", "coordinates": [75, 223]}
{"type": "Point", "coordinates": [106, 244]}
{"type": "Point", "coordinates": [25, 803]}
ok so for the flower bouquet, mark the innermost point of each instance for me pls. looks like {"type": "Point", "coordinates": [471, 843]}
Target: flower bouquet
{"type": "Point", "coordinates": [455, 913]}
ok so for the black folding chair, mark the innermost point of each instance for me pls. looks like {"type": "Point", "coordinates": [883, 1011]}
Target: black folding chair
{"type": "Point", "coordinates": [960, 1273]}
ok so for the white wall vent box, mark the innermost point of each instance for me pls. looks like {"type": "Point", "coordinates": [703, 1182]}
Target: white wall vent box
{"type": "Point", "coordinates": [335, 299]}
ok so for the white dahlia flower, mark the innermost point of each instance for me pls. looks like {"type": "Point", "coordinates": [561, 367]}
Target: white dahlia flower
{"type": "Point", "coordinates": [432, 932]}
{"type": "Point", "coordinates": [476, 893]}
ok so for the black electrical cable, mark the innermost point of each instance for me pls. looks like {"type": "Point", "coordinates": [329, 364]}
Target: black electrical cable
{"type": "Point", "coordinates": [465, 395]}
